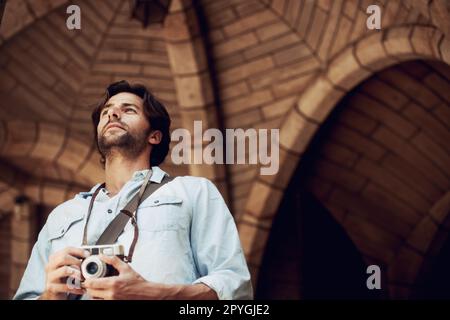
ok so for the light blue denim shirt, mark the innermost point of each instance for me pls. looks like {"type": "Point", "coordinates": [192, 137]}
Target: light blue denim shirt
{"type": "Point", "coordinates": [186, 236]}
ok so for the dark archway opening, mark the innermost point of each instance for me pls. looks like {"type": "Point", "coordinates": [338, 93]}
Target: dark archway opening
{"type": "Point", "coordinates": [435, 280]}
{"type": "Point", "coordinates": [309, 255]}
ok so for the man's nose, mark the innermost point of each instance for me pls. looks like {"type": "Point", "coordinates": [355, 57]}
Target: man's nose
{"type": "Point", "coordinates": [113, 113]}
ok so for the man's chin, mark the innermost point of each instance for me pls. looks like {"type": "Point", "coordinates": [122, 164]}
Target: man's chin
{"type": "Point", "coordinates": [109, 141]}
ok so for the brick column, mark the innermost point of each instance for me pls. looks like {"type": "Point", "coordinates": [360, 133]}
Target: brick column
{"type": "Point", "coordinates": [23, 236]}
{"type": "Point", "coordinates": [195, 94]}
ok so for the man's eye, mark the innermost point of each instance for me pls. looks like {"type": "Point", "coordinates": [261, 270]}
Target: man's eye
{"type": "Point", "coordinates": [104, 112]}
{"type": "Point", "coordinates": [130, 110]}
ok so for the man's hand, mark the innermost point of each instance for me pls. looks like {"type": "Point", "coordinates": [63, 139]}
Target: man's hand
{"type": "Point", "coordinates": [61, 265]}
{"type": "Point", "coordinates": [130, 285]}
{"type": "Point", "coordinates": [124, 286]}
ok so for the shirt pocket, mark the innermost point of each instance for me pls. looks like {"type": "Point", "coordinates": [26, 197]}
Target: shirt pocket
{"type": "Point", "coordinates": [61, 230]}
{"type": "Point", "coordinates": [162, 213]}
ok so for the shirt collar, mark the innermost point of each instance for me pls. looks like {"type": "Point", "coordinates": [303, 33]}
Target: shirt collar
{"type": "Point", "coordinates": [157, 176]}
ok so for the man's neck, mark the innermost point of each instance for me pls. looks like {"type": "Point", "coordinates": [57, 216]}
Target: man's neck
{"type": "Point", "coordinates": [119, 170]}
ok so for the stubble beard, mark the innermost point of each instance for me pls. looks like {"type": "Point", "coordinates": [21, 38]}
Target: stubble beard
{"type": "Point", "coordinates": [128, 145]}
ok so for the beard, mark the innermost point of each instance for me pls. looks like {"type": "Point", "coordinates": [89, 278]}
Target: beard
{"type": "Point", "coordinates": [129, 145]}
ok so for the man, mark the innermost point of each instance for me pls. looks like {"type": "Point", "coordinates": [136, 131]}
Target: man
{"type": "Point", "coordinates": [187, 245]}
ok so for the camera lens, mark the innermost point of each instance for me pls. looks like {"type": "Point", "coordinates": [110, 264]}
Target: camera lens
{"type": "Point", "coordinates": [92, 268]}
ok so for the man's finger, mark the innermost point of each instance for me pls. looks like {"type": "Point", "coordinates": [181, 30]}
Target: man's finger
{"type": "Point", "coordinates": [67, 256]}
{"type": "Point", "coordinates": [63, 260]}
{"type": "Point", "coordinates": [99, 283]}
{"type": "Point", "coordinates": [78, 292]}
{"type": "Point", "coordinates": [97, 293]}
{"type": "Point", "coordinates": [63, 288]}
{"type": "Point", "coordinates": [118, 264]}
{"type": "Point", "coordinates": [63, 272]}
{"type": "Point", "coordinates": [76, 252]}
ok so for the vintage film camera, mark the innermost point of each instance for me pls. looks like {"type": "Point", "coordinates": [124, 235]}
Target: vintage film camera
{"type": "Point", "coordinates": [93, 267]}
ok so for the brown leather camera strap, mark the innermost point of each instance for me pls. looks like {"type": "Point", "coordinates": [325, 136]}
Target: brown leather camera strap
{"type": "Point", "coordinates": [117, 225]}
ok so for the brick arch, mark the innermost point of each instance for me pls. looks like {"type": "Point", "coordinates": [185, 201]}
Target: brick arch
{"type": "Point", "coordinates": [55, 60]}
{"type": "Point", "coordinates": [435, 10]}
{"type": "Point", "coordinates": [430, 244]}
{"type": "Point", "coordinates": [353, 65]}
{"type": "Point", "coordinates": [79, 65]}
{"type": "Point", "coordinates": [52, 143]}
{"type": "Point", "coordinates": [22, 13]}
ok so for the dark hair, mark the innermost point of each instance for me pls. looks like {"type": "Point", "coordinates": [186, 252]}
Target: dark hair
{"type": "Point", "coordinates": [156, 114]}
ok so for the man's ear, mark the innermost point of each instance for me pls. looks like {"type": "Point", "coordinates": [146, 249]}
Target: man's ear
{"type": "Point", "coordinates": [155, 137]}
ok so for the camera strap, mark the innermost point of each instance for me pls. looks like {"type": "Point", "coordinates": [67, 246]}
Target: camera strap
{"type": "Point", "coordinates": [117, 225]}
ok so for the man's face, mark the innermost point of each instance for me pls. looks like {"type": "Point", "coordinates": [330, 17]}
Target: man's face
{"type": "Point", "coordinates": [123, 126]}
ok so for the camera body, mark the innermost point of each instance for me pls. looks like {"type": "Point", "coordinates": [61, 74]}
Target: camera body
{"type": "Point", "coordinates": [94, 267]}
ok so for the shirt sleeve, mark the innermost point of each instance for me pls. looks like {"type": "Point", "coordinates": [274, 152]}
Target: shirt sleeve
{"type": "Point", "coordinates": [32, 284]}
{"type": "Point", "coordinates": [216, 246]}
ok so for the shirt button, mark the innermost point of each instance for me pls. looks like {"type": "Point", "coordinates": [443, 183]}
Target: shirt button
{"type": "Point", "coordinates": [62, 231]}
{"type": "Point", "coordinates": [156, 201]}
{"type": "Point", "coordinates": [109, 211]}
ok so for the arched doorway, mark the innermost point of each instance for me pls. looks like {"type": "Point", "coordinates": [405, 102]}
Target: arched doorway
{"type": "Point", "coordinates": [364, 192]}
